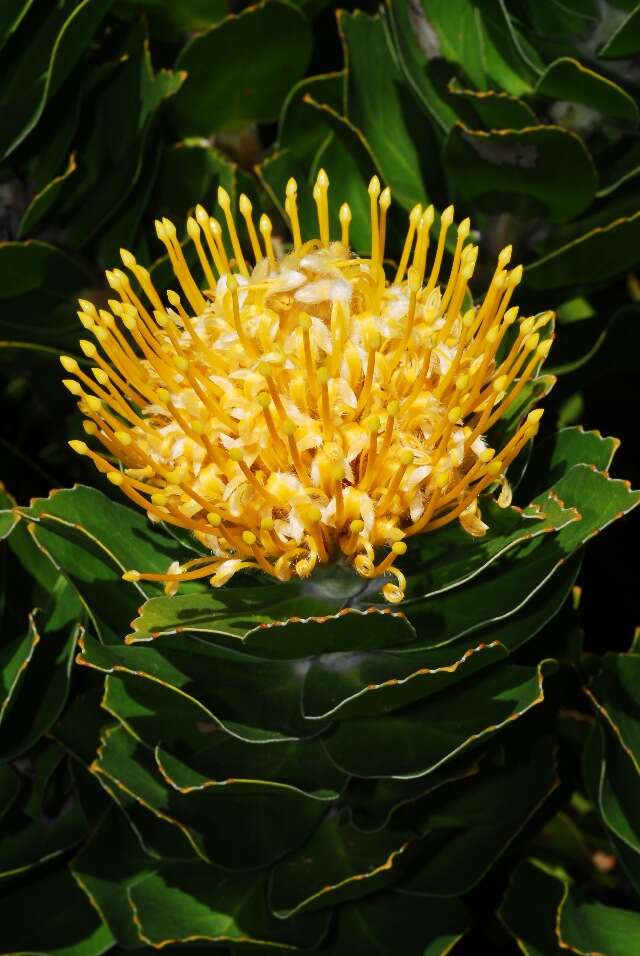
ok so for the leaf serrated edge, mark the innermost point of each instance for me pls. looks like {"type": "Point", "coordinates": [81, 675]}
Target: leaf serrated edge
{"type": "Point", "coordinates": [35, 639]}
{"type": "Point", "coordinates": [230, 781]}
{"type": "Point", "coordinates": [97, 771]}
{"type": "Point", "coordinates": [332, 887]}
{"type": "Point", "coordinates": [222, 725]}
{"type": "Point", "coordinates": [400, 682]}
{"type": "Point", "coordinates": [471, 740]}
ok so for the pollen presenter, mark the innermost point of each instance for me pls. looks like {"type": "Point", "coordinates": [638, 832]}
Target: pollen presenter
{"type": "Point", "coordinates": [299, 406]}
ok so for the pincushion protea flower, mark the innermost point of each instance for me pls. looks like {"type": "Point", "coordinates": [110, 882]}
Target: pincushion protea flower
{"type": "Point", "coordinates": [299, 406]}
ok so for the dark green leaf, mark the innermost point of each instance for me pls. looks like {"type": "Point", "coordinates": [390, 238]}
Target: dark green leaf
{"type": "Point", "coordinates": [40, 699]}
{"type": "Point", "coordinates": [482, 38]}
{"type": "Point", "coordinates": [530, 907]}
{"type": "Point", "coordinates": [236, 611]}
{"type": "Point", "coordinates": [195, 902]}
{"type": "Point", "coordinates": [52, 917]}
{"type": "Point", "coordinates": [44, 201]}
{"type": "Point", "coordinates": [507, 585]}
{"type": "Point", "coordinates": [417, 740]}
{"type": "Point", "coordinates": [240, 825]}
{"type": "Point", "coordinates": [92, 539]}
{"type": "Point", "coordinates": [259, 699]}
{"type": "Point", "coordinates": [445, 558]}
{"type": "Point", "coordinates": [188, 15]}
{"type": "Point", "coordinates": [614, 693]}
{"type": "Point", "coordinates": [48, 58]}
{"type": "Point", "coordinates": [619, 793]}
{"type": "Point", "coordinates": [497, 110]}
{"type": "Point", "coordinates": [9, 788]}
{"type": "Point", "coordinates": [30, 266]}
{"type": "Point", "coordinates": [378, 104]}
{"type": "Point", "coordinates": [32, 841]}
{"type": "Point", "coordinates": [360, 685]}
{"type": "Point", "coordinates": [349, 630]}
{"type": "Point", "coordinates": [298, 126]}
{"type": "Point", "coordinates": [625, 41]}
{"type": "Point", "coordinates": [241, 87]}
{"type": "Point", "coordinates": [387, 923]}
{"type": "Point", "coordinates": [406, 23]}
{"type": "Point", "coordinates": [108, 865]}
{"type": "Point", "coordinates": [112, 165]}
{"type": "Point", "coordinates": [568, 79]}
{"type": "Point", "coordinates": [465, 834]}
{"type": "Point", "coordinates": [597, 255]}
{"type": "Point", "coordinates": [557, 453]}
{"type": "Point", "coordinates": [14, 659]}
{"type": "Point", "coordinates": [338, 863]}
{"type": "Point", "coordinates": [588, 928]}
{"type": "Point", "coordinates": [542, 169]}
{"type": "Point", "coordinates": [373, 807]}
{"type": "Point", "coordinates": [11, 15]}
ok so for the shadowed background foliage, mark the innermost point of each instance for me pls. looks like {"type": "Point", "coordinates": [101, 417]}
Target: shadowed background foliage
{"type": "Point", "coordinates": [524, 115]}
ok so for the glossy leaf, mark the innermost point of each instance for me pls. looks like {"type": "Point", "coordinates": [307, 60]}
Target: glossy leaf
{"type": "Point", "coordinates": [13, 13]}
{"type": "Point", "coordinates": [382, 923]}
{"type": "Point", "coordinates": [112, 166]}
{"type": "Point", "coordinates": [554, 455]}
{"type": "Point", "coordinates": [614, 693]}
{"type": "Point", "coordinates": [358, 685]}
{"type": "Point", "coordinates": [484, 41]}
{"type": "Point", "coordinates": [445, 559]}
{"type": "Point", "coordinates": [66, 923]}
{"type": "Point", "coordinates": [377, 104]}
{"type": "Point", "coordinates": [497, 110]}
{"type": "Point", "coordinates": [90, 538]}
{"type": "Point", "coordinates": [338, 863]}
{"type": "Point", "coordinates": [193, 669]}
{"type": "Point", "coordinates": [506, 586]}
{"type": "Point", "coordinates": [300, 764]}
{"type": "Point", "coordinates": [44, 201]}
{"type": "Point", "coordinates": [14, 660]}
{"type": "Point", "coordinates": [586, 927]}
{"type": "Point", "coordinates": [374, 807]}
{"type": "Point", "coordinates": [40, 699]}
{"type": "Point", "coordinates": [548, 168]}
{"type": "Point", "coordinates": [28, 266]}
{"type": "Point", "coordinates": [191, 15]}
{"type": "Point", "coordinates": [192, 902]}
{"type": "Point", "coordinates": [530, 907]}
{"type": "Point", "coordinates": [242, 89]}
{"type": "Point", "coordinates": [465, 835]}
{"type": "Point", "coordinates": [419, 739]}
{"type": "Point", "coordinates": [239, 826]}
{"type": "Point", "coordinates": [593, 257]}
{"type": "Point", "coordinates": [625, 41]}
{"type": "Point", "coordinates": [36, 839]}
{"type": "Point", "coordinates": [298, 126]}
{"type": "Point", "coordinates": [618, 793]}
{"type": "Point", "coordinates": [351, 629]}
{"type": "Point", "coordinates": [236, 612]}
{"type": "Point", "coordinates": [568, 79]}
{"type": "Point", "coordinates": [56, 46]}
{"type": "Point", "coordinates": [107, 866]}
{"type": "Point", "coordinates": [416, 65]}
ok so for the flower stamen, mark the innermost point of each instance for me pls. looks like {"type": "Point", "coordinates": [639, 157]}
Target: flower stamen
{"type": "Point", "coordinates": [300, 406]}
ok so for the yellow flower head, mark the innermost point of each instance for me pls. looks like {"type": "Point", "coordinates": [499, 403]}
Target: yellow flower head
{"type": "Point", "coordinates": [299, 406]}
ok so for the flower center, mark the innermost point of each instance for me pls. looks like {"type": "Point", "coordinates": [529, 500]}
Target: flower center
{"type": "Point", "coordinates": [301, 406]}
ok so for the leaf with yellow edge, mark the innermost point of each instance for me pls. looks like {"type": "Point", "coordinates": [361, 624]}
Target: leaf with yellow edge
{"type": "Point", "coordinates": [190, 902]}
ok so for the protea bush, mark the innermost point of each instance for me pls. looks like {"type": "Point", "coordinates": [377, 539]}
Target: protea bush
{"type": "Point", "coordinates": [309, 658]}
